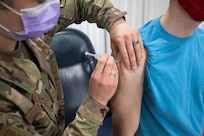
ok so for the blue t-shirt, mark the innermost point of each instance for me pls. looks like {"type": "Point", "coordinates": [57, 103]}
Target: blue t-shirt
{"type": "Point", "coordinates": [173, 99]}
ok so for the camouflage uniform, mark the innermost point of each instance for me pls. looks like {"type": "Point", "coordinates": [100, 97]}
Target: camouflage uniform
{"type": "Point", "coordinates": [100, 12]}
{"type": "Point", "coordinates": [31, 98]}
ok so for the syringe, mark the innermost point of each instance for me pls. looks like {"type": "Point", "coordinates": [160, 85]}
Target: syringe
{"type": "Point", "coordinates": [97, 56]}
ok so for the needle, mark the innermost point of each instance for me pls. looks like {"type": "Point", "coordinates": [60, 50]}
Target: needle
{"type": "Point", "coordinates": [97, 56]}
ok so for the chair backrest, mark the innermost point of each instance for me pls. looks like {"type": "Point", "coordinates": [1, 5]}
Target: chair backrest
{"type": "Point", "coordinates": [75, 68]}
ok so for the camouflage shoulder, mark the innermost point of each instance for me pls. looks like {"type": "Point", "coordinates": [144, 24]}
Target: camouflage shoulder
{"type": "Point", "coordinates": [67, 17]}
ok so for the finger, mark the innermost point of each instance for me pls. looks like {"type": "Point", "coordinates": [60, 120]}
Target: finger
{"type": "Point", "coordinates": [101, 64]}
{"type": "Point", "coordinates": [139, 49]}
{"type": "Point", "coordinates": [131, 51]}
{"type": "Point", "coordinates": [114, 71]}
{"type": "Point", "coordinates": [124, 54]}
{"type": "Point", "coordinates": [114, 49]}
{"type": "Point", "coordinates": [108, 67]}
{"type": "Point", "coordinates": [141, 45]}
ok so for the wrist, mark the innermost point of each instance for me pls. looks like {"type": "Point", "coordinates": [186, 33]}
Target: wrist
{"type": "Point", "coordinates": [102, 101]}
{"type": "Point", "coordinates": [93, 110]}
{"type": "Point", "coordinates": [118, 22]}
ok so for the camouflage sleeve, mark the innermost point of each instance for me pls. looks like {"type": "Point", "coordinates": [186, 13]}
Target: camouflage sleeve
{"type": "Point", "coordinates": [88, 119]}
{"type": "Point", "coordinates": [101, 12]}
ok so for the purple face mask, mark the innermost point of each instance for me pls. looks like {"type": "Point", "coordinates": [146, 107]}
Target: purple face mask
{"type": "Point", "coordinates": [37, 20]}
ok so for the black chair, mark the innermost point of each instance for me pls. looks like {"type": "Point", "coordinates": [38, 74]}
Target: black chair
{"type": "Point", "coordinates": [75, 68]}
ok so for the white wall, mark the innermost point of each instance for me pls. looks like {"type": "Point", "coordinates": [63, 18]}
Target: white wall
{"type": "Point", "coordinates": [139, 12]}
{"type": "Point", "coordinates": [96, 35]}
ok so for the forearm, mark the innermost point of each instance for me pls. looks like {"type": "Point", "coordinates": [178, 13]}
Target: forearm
{"type": "Point", "coordinates": [88, 119]}
{"type": "Point", "coordinates": [101, 12]}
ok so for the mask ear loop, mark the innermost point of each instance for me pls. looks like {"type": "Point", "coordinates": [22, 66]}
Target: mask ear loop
{"type": "Point", "coordinates": [3, 27]}
{"type": "Point", "coordinates": [11, 9]}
